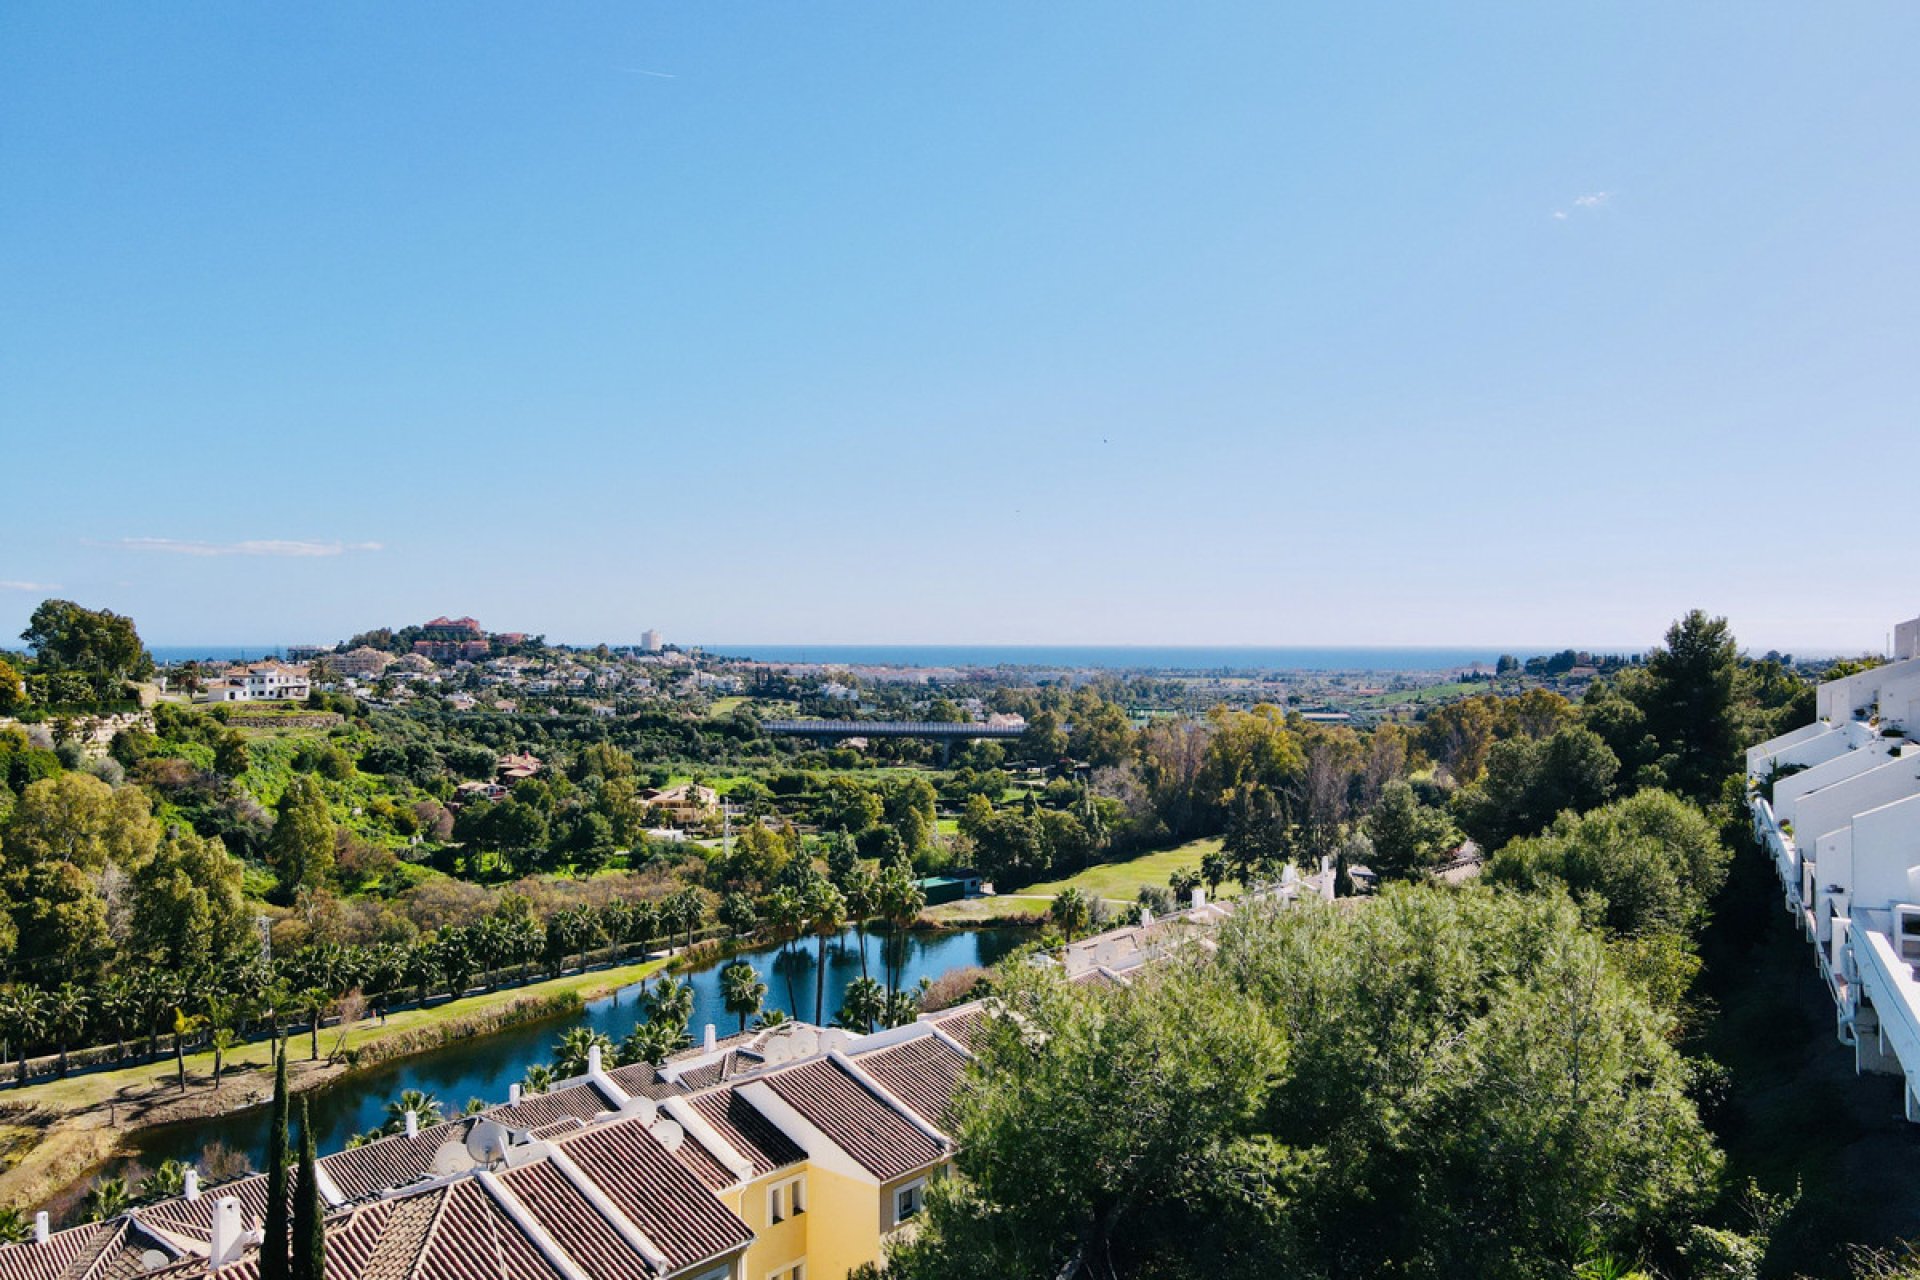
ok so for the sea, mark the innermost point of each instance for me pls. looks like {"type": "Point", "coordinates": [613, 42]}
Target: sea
{"type": "Point", "coordinates": [1129, 657]}
{"type": "Point", "coordinates": [1072, 657]}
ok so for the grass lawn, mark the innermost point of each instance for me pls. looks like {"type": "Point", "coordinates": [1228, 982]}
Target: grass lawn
{"type": "Point", "coordinates": [727, 706]}
{"type": "Point", "coordinates": [986, 910]}
{"type": "Point", "coordinates": [1122, 880]}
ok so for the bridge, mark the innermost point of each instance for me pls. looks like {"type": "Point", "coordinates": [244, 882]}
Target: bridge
{"type": "Point", "coordinates": [942, 729]}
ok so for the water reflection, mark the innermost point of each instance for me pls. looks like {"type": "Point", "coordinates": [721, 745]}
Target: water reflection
{"type": "Point", "coordinates": [486, 1067]}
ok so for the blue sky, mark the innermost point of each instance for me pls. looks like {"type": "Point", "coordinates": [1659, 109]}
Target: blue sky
{"type": "Point", "coordinates": [1024, 323]}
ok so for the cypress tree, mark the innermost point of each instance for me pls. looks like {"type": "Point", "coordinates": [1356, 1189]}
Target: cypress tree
{"type": "Point", "coordinates": [273, 1248]}
{"type": "Point", "coordinates": [309, 1234]}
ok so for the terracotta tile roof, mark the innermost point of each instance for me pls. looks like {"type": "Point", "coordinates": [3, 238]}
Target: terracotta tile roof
{"type": "Point", "coordinates": [475, 1240]}
{"type": "Point", "coordinates": [886, 1143]}
{"type": "Point", "coordinates": [570, 1218]}
{"type": "Point", "coordinates": [537, 1110]}
{"type": "Point", "coordinates": [963, 1022]}
{"type": "Point", "coordinates": [746, 1130]}
{"type": "Point", "coordinates": [656, 1192]}
{"type": "Point", "coordinates": [922, 1072]}
{"type": "Point", "coordinates": [389, 1162]}
{"type": "Point", "coordinates": [51, 1261]}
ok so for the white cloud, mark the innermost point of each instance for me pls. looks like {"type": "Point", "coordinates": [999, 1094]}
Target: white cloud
{"type": "Point", "coordinates": [29, 586]}
{"type": "Point", "coordinates": [1560, 214]}
{"type": "Point", "coordinates": [289, 548]}
{"type": "Point", "coordinates": [1593, 201]}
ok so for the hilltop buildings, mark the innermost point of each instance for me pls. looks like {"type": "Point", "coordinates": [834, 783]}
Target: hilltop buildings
{"type": "Point", "coordinates": [1837, 805]}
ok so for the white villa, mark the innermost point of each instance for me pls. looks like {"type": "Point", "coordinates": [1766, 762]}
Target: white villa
{"type": "Point", "coordinates": [261, 682]}
{"type": "Point", "coordinates": [1837, 805]}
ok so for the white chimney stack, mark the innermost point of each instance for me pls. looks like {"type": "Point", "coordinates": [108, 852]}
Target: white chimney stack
{"type": "Point", "coordinates": [191, 1188]}
{"type": "Point", "coordinates": [713, 1038]}
{"type": "Point", "coordinates": [1146, 917]}
{"type": "Point", "coordinates": [513, 1094]}
{"type": "Point", "coordinates": [228, 1235]}
{"type": "Point", "coordinates": [593, 1060]}
{"type": "Point", "coordinates": [1199, 898]}
{"type": "Point", "coordinates": [413, 1124]}
{"type": "Point", "coordinates": [42, 1227]}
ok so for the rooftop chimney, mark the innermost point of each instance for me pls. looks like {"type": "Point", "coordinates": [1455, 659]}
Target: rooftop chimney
{"type": "Point", "coordinates": [192, 1187]}
{"type": "Point", "coordinates": [1199, 898]}
{"type": "Point", "coordinates": [42, 1227]}
{"type": "Point", "coordinates": [593, 1060]}
{"type": "Point", "coordinates": [713, 1038]}
{"type": "Point", "coordinates": [228, 1234]}
{"type": "Point", "coordinates": [413, 1124]}
{"type": "Point", "coordinates": [513, 1093]}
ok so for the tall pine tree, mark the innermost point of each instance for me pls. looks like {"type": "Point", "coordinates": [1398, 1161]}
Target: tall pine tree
{"type": "Point", "coordinates": [309, 1232]}
{"type": "Point", "coordinates": [273, 1247]}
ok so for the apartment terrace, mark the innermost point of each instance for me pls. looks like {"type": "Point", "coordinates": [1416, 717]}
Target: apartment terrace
{"type": "Point", "coordinates": [1836, 805]}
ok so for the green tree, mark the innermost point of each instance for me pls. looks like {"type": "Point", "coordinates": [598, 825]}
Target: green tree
{"type": "Point", "coordinates": [98, 643]}
{"type": "Point", "coordinates": [1408, 837]}
{"type": "Point", "coordinates": [422, 1106]}
{"type": "Point", "coordinates": [847, 804]}
{"type": "Point", "coordinates": [1071, 911]}
{"type": "Point", "coordinates": [864, 1004]}
{"type": "Point", "coordinates": [826, 916]}
{"type": "Point", "coordinates": [1690, 707]}
{"type": "Point", "coordinates": [108, 1197]}
{"type": "Point", "coordinates": [743, 991]}
{"type": "Point", "coordinates": [309, 1227]}
{"type": "Point", "coordinates": [67, 1009]}
{"type": "Point", "coordinates": [301, 849]}
{"type": "Point", "coordinates": [188, 911]}
{"type": "Point", "coordinates": [275, 1246]}
{"type": "Point", "coordinates": [1648, 864]}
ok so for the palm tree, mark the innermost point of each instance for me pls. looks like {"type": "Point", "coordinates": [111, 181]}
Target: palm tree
{"type": "Point", "coordinates": [165, 1182]}
{"type": "Point", "coordinates": [687, 910]}
{"type": "Point", "coordinates": [654, 1042]}
{"type": "Point", "coordinates": [221, 1040]}
{"type": "Point", "coordinates": [570, 1054]}
{"type": "Point", "coordinates": [861, 886]}
{"type": "Point", "coordinates": [66, 1016]}
{"type": "Point", "coordinates": [772, 1018]}
{"type": "Point", "coordinates": [787, 913]}
{"type": "Point", "coordinates": [108, 1197]}
{"type": "Point", "coordinates": [671, 1002]}
{"type": "Point", "coordinates": [184, 1025]}
{"type": "Point", "coordinates": [313, 1003]}
{"type": "Point", "coordinates": [826, 916]}
{"type": "Point", "coordinates": [901, 900]}
{"type": "Point", "coordinates": [1183, 881]}
{"type": "Point", "coordinates": [24, 1012]}
{"type": "Point", "coordinates": [1071, 911]}
{"type": "Point", "coordinates": [742, 990]}
{"type": "Point", "coordinates": [864, 1004]}
{"type": "Point", "coordinates": [424, 1107]}
{"type": "Point", "coordinates": [14, 1227]}
{"type": "Point", "coordinates": [539, 1079]}
{"type": "Point", "coordinates": [113, 1009]}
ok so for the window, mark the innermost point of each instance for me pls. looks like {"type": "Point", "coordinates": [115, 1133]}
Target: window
{"type": "Point", "coordinates": [787, 1199]}
{"type": "Point", "coordinates": [795, 1271]}
{"type": "Point", "coordinates": [909, 1200]}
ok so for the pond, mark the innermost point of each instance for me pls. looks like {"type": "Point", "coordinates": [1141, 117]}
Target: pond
{"type": "Point", "coordinates": [487, 1066]}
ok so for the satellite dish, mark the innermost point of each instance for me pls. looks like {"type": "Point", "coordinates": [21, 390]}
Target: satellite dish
{"type": "Point", "coordinates": [806, 1042]}
{"type": "Point", "coordinates": [834, 1038]}
{"type": "Point", "coordinates": [153, 1260]}
{"type": "Point", "coordinates": [777, 1050]}
{"type": "Point", "coordinates": [644, 1107]}
{"type": "Point", "coordinates": [452, 1157]}
{"type": "Point", "coordinates": [487, 1142]}
{"type": "Point", "coordinates": [669, 1134]}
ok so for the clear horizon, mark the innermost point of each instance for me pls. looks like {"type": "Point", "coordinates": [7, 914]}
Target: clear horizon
{"type": "Point", "coordinates": [1202, 323]}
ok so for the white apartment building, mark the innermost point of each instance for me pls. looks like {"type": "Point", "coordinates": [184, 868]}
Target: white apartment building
{"type": "Point", "coordinates": [1837, 805]}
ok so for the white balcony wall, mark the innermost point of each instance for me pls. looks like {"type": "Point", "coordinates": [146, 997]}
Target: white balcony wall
{"type": "Point", "coordinates": [1886, 854]}
{"type": "Point", "coordinates": [1831, 808]}
{"type": "Point", "coordinates": [1829, 745]}
{"type": "Point", "coordinates": [1789, 789]}
{"type": "Point", "coordinates": [1757, 757]}
{"type": "Point", "coordinates": [1838, 700]}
